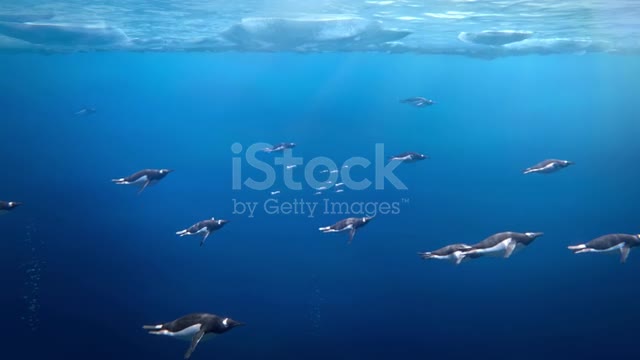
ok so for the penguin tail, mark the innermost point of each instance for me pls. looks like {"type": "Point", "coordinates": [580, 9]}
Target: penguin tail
{"type": "Point", "coordinates": [181, 232]}
{"type": "Point", "coordinates": [425, 255]}
{"type": "Point", "coordinates": [325, 229]}
{"type": "Point", "coordinates": [152, 327]}
{"type": "Point", "coordinates": [577, 248]}
{"type": "Point", "coordinates": [118, 181]}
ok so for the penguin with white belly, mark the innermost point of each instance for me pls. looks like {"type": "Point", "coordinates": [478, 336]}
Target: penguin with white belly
{"type": "Point", "coordinates": [143, 178]}
{"type": "Point", "coordinates": [502, 244]}
{"type": "Point", "coordinates": [195, 328]}
{"type": "Point", "coordinates": [609, 243]}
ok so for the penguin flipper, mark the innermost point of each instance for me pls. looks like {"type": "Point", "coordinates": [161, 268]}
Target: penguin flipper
{"type": "Point", "coordinates": [352, 234]}
{"type": "Point", "coordinates": [624, 253]}
{"type": "Point", "coordinates": [511, 246]}
{"type": "Point", "coordinates": [204, 238]}
{"type": "Point", "coordinates": [146, 183]}
{"type": "Point", "coordinates": [194, 342]}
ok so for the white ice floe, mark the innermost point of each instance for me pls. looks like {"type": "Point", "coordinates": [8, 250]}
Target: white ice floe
{"type": "Point", "coordinates": [63, 34]}
{"type": "Point", "coordinates": [511, 27]}
{"type": "Point", "coordinates": [329, 33]}
{"type": "Point", "coordinates": [494, 37]}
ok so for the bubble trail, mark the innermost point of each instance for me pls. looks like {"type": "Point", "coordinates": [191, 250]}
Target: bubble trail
{"type": "Point", "coordinates": [33, 269]}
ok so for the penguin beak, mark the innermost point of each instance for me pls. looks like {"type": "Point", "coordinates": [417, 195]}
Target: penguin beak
{"type": "Point", "coordinates": [537, 234]}
{"type": "Point", "coordinates": [233, 323]}
{"type": "Point", "coordinates": [15, 204]}
{"type": "Point", "coordinates": [224, 221]}
{"type": "Point", "coordinates": [570, 163]}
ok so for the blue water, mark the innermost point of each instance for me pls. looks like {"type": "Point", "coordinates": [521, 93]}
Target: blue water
{"type": "Point", "coordinates": [111, 261]}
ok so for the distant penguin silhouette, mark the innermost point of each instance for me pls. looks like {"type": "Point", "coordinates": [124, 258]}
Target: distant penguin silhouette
{"type": "Point", "coordinates": [194, 328]}
{"type": "Point", "coordinates": [609, 243]}
{"type": "Point", "coordinates": [453, 252]}
{"type": "Point", "coordinates": [502, 244]}
{"type": "Point", "coordinates": [408, 157]}
{"type": "Point", "coordinates": [143, 178]}
{"type": "Point", "coordinates": [350, 224]}
{"type": "Point", "coordinates": [547, 166]}
{"type": "Point", "coordinates": [6, 206]}
{"type": "Point", "coordinates": [280, 147]}
{"type": "Point", "coordinates": [418, 101]}
{"type": "Point", "coordinates": [85, 111]}
{"type": "Point", "coordinates": [203, 228]}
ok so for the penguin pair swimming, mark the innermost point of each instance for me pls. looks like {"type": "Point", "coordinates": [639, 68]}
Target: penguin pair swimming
{"type": "Point", "coordinates": [279, 147]}
{"type": "Point", "coordinates": [194, 328]}
{"type": "Point", "coordinates": [409, 157]}
{"type": "Point", "coordinates": [502, 244]}
{"type": "Point", "coordinates": [6, 206]}
{"type": "Point", "coordinates": [349, 224]}
{"type": "Point", "coordinates": [418, 101]}
{"type": "Point", "coordinates": [547, 166]}
{"type": "Point", "coordinates": [203, 228]}
{"type": "Point", "coordinates": [143, 178]}
{"type": "Point", "coordinates": [609, 243]}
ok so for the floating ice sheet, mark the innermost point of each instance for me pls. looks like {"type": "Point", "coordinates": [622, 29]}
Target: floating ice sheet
{"type": "Point", "coordinates": [494, 37]}
{"type": "Point", "coordinates": [487, 29]}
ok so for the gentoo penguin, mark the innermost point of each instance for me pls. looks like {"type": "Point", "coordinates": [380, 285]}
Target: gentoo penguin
{"type": "Point", "coordinates": [194, 328]}
{"type": "Point", "coordinates": [454, 252]}
{"type": "Point", "coordinates": [85, 111]}
{"type": "Point", "coordinates": [6, 206]}
{"type": "Point", "coordinates": [418, 101]}
{"type": "Point", "coordinates": [408, 157]}
{"type": "Point", "coordinates": [548, 166]}
{"type": "Point", "coordinates": [280, 147]}
{"type": "Point", "coordinates": [204, 228]}
{"type": "Point", "coordinates": [609, 243]}
{"type": "Point", "coordinates": [502, 244]}
{"type": "Point", "coordinates": [351, 224]}
{"type": "Point", "coordinates": [143, 178]}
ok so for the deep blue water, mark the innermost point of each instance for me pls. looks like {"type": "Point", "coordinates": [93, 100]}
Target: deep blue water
{"type": "Point", "coordinates": [113, 262]}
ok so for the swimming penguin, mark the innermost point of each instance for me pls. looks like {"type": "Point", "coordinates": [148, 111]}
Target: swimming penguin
{"type": "Point", "coordinates": [143, 178]}
{"type": "Point", "coordinates": [194, 328]}
{"type": "Point", "coordinates": [6, 206]}
{"type": "Point", "coordinates": [502, 244]}
{"type": "Point", "coordinates": [85, 111]}
{"type": "Point", "coordinates": [418, 101]}
{"type": "Point", "coordinates": [351, 224]}
{"type": "Point", "coordinates": [454, 252]}
{"type": "Point", "coordinates": [280, 147]}
{"type": "Point", "coordinates": [408, 157]}
{"type": "Point", "coordinates": [609, 243]}
{"type": "Point", "coordinates": [548, 166]}
{"type": "Point", "coordinates": [204, 228]}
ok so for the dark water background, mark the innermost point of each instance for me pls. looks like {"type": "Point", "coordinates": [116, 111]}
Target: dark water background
{"type": "Point", "coordinates": [109, 262]}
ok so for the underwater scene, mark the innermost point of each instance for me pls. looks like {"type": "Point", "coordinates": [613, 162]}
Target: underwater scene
{"type": "Point", "coordinates": [327, 179]}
